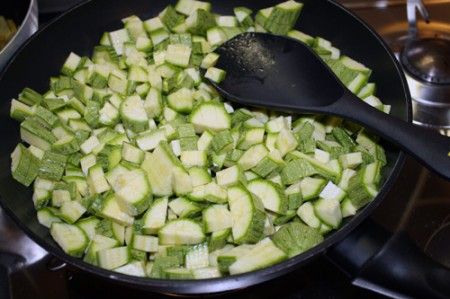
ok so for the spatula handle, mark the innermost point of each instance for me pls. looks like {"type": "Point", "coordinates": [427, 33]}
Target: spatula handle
{"type": "Point", "coordinates": [427, 146]}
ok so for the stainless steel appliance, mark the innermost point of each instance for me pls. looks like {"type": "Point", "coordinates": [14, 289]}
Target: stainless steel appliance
{"type": "Point", "coordinates": [25, 15]}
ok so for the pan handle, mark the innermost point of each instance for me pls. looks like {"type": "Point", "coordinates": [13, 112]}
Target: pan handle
{"type": "Point", "coordinates": [390, 264]}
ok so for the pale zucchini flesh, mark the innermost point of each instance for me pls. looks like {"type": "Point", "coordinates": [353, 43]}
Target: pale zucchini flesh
{"type": "Point", "coordinates": [141, 167]}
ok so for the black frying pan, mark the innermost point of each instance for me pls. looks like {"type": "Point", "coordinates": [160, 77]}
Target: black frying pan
{"type": "Point", "coordinates": [79, 30]}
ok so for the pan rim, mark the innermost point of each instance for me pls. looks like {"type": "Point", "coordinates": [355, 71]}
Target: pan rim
{"type": "Point", "coordinates": [20, 28]}
{"type": "Point", "coordinates": [228, 283]}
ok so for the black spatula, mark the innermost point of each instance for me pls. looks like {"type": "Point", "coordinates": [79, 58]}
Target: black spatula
{"type": "Point", "coordinates": [283, 74]}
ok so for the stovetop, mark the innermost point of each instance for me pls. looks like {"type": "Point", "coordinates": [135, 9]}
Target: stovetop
{"type": "Point", "coordinates": [419, 204]}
